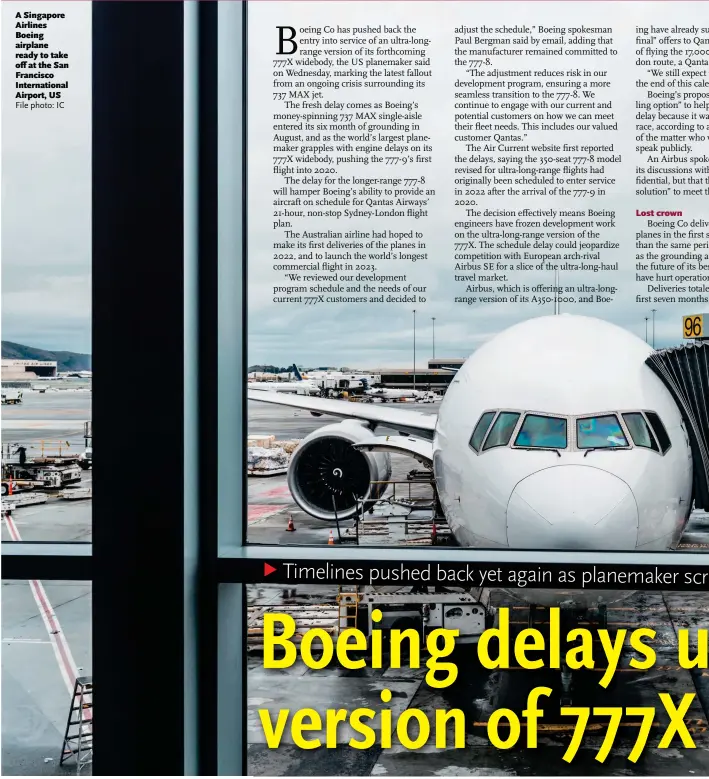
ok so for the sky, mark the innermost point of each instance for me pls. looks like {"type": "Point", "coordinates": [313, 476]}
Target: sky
{"type": "Point", "coordinates": [46, 194]}
{"type": "Point", "coordinates": [375, 335]}
{"type": "Point", "coordinates": [46, 180]}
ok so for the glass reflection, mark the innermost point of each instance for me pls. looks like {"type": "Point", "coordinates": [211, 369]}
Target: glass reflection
{"type": "Point", "coordinates": [542, 432]}
{"type": "Point", "coordinates": [603, 432]}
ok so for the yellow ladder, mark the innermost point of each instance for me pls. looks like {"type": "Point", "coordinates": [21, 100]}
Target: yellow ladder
{"type": "Point", "coordinates": [348, 604]}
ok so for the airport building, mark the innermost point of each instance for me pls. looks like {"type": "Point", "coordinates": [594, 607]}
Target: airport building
{"type": "Point", "coordinates": [22, 370]}
{"type": "Point", "coordinates": [452, 362]}
{"type": "Point", "coordinates": [430, 378]}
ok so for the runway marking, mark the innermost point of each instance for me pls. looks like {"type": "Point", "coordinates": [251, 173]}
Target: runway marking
{"type": "Point", "coordinates": [691, 609]}
{"type": "Point", "coordinates": [693, 725]}
{"type": "Point", "coordinates": [62, 651]}
{"type": "Point", "coordinates": [274, 492]}
{"type": "Point", "coordinates": [624, 670]}
{"type": "Point", "coordinates": [613, 624]}
{"type": "Point", "coordinates": [263, 511]}
{"type": "Point", "coordinates": [41, 424]}
{"type": "Point", "coordinates": [25, 641]}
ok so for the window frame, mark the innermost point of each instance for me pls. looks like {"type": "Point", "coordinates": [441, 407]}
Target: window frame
{"type": "Point", "coordinates": [646, 413]}
{"type": "Point", "coordinates": [484, 448]}
{"type": "Point", "coordinates": [653, 437]}
{"type": "Point", "coordinates": [566, 448]}
{"type": "Point", "coordinates": [182, 549]}
{"type": "Point", "coordinates": [618, 418]}
{"type": "Point", "coordinates": [494, 413]}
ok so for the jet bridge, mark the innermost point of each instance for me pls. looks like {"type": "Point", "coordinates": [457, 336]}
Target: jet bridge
{"type": "Point", "coordinates": [685, 372]}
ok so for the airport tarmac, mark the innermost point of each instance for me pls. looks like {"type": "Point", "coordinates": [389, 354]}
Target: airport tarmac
{"type": "Point", "coordinates": [477, 692]}
{"type": "Point", "coordinates": [46, 626]}
{"type": "Point", "coordinates": [53, 417]}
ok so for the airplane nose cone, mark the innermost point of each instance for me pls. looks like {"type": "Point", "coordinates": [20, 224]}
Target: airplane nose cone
{"type": "Point", "coordinates": [572, 507]}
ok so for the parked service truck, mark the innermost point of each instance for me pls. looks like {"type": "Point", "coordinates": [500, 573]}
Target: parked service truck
{"type": "Point", "coordinates": [86, 457]}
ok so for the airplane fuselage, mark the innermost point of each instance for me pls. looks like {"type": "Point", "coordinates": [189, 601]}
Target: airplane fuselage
{"type": "Point", "coordinates": [594, 480]}
{"type": "Point", "coordinates": [555, 434]}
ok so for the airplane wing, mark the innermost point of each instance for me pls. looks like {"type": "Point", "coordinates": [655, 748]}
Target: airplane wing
{"type": "Point", "coordinates": [403, 420]}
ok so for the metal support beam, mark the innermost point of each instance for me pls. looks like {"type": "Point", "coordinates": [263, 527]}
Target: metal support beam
{"type": "Point", "coordinates": [138, 323]}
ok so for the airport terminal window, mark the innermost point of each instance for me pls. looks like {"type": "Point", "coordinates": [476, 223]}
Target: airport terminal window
{"type": "Point", "coordinates": [502, 430]}
{"type": "Point", "coordinates": [640, 432]}
{"type": "Point", "coordinates": [542, 432]}
{"type": "Point", "coordinates": [659, 429]}
{"type": "Point", "coordinates": [602, 432]}
{"type": "Point", "coordinates": [480, 429]}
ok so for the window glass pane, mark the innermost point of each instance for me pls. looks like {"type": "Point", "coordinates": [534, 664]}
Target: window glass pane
{"type": "Point", "coordinates": [502, 430]}
{"type": "Point", "coordinates": [602, 432]}
{"type": "Point", "coordinates": [46, 285]}
{"type": "Point", "coordinates": [480, 429]}
{"type": "Point", "coordinates": [662, 437]}
{"type": "Point", "coordinates": [46, 646]}
{"type": "Point", "coordinates": [639, 431]}
{"type": "Point", "coordinates": [539, 431]}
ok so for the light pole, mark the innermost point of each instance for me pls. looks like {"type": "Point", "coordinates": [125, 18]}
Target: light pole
{"type": "Point", "coordinates": [433, 336]}
{"type": "Point", "coordinates": [414, 350]}
{"type": "Point", "coordinates": [646, 321]}
{"type": "Point", "coordinates": [653, 327]}
{"type": "Point", "coordinates": [556, 291]}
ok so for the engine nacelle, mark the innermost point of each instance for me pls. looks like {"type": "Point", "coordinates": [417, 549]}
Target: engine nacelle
{"type": "Point", "coordinates": [329, 478]}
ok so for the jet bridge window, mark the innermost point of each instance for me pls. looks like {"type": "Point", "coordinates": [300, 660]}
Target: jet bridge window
{"type": "Point", "coordinates": [480, 429]}
{"type": "Point", "coordinates": [602, 432]}
{"type": "Point", "coordinates": [659, 429]}
{"type": "Point", "coordinates": [640, 431]}
{"type": "Point", "coordinates": [502, 430]}
{"type": "Point", "coordinates": [542, 432]}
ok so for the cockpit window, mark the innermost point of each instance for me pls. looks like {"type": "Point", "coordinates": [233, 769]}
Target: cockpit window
{"type": "Point", "coordinates": [480, 429]}
{"type": "Point", "coordinates": [659, 429]}
{"type": "Point", "coordinates": [502, 430]}
{"type": "Point", "coordinates": [640, 432]}
{"type": "Point", "coordinates": [541, 432]}
{"type": "Point", "coordinates": [603, 432]}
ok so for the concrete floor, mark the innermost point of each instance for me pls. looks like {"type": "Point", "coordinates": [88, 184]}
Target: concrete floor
{"type": "Point", "coordinates": [46, 626]}
{"type": "Point", "coordinates": [478, 692]}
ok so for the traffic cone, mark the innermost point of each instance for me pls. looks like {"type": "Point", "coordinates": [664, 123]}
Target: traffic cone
{"type": "Point", "coordinates": [331, 540]}
{"type": "Point", "coordinates": [434, 533]}
{"type": "Point", "coordinates": [291, 526]}
{"type": "Point", "coordinates": [9, 487]}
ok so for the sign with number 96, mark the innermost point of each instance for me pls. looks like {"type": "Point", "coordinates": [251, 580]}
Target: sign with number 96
{"type": "Point", "coordinates": [693, 326]}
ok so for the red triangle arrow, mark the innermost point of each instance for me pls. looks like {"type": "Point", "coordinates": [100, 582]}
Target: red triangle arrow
{"type": "Point", "coordinates": [268, 569]}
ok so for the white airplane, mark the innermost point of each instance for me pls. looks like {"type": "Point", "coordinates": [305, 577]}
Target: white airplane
{"type": "Point", "coordinates": [385, 394]}
{"type": "Point", "coordinates": [76, 375]}
{"type": "Point", "coordinates": [369, 377]}
{"type": "Point", "coordinates": [555, 434]}
{"type": "Point", "coordinates": [300, 386]}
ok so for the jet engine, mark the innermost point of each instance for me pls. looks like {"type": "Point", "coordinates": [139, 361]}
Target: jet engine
{"type": "Point", "coordinates": [329, 478]}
